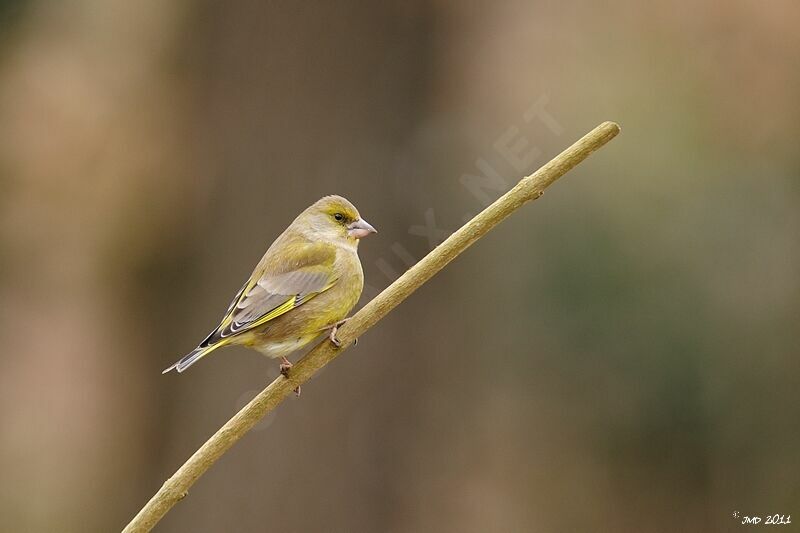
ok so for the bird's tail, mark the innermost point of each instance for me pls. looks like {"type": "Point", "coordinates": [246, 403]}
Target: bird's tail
{"type": "Point", "coordinates": [191, 358]}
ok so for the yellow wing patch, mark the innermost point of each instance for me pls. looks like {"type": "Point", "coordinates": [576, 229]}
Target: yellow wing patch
{"type": "Point", "coordinates": [285, 307]}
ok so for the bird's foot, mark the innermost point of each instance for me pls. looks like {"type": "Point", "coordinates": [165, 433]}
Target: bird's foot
{"type": "Point", "coordinates": [334, 329]}
{"type": "Point", "coordinates": [285, 366]}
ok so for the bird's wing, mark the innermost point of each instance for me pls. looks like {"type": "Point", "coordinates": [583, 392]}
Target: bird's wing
{"type": "Point", "coordinates": [277, 287]}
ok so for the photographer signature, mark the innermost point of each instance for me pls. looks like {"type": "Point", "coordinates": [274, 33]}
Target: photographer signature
{"type": "Point", "coordinates": [769, 520]}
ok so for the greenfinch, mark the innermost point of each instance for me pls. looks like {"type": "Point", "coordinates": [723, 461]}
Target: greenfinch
{"type": "Point", "coordinates": [309, 279]}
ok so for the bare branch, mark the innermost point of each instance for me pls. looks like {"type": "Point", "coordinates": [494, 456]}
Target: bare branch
{"type": "Point", "coordinates": [529, 188]}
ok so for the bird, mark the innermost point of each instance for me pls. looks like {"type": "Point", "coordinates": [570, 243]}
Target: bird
{"type": "Point", "coordinates": [308, 281]}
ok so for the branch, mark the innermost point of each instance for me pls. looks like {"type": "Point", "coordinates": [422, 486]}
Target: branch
{"type": "Point", "coordinates": [529, 188]}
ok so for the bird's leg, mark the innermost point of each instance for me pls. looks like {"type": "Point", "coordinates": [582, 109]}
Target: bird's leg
{"type": "Point", "coordinates": [285, 366]}
{"type": "Point", "coordinates": [334, 328]}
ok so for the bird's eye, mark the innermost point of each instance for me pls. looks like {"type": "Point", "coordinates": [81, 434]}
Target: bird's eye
{"type": "Point", "coordinates": [339, 217]}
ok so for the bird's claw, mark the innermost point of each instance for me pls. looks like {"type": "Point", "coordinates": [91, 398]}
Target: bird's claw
{"type": "Point", "coordinates": [336, 342]}
{"type": "Point", "coordinates": [285, 366]}
{"type": "Point", "coordinates": [334, 329]}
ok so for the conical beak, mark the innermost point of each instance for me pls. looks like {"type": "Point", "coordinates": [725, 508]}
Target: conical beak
{"type": "Point", "coordinates": [360, 229]}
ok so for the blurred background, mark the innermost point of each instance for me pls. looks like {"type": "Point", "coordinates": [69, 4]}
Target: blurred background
{"type": "Point", "coordinates": [620, 356]}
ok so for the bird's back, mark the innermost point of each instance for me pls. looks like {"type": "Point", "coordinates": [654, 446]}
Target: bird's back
{"type": "Point", "coordinates": [297, 328]}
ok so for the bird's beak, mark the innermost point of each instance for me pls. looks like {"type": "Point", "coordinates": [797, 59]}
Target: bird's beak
{"type": "Point", "coordinates": [360, 229]}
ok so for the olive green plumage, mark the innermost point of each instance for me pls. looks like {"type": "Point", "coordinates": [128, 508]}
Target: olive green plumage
{"type": "Point", "coordinates": [307, 281]}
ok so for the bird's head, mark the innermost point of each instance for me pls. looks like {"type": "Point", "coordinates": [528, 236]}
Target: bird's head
{"type": "Point", "coordinates": [335, 219]}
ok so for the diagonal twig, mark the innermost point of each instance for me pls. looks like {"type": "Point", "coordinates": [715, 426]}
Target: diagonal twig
{"type": "Point", "coordinates": [529, 188]}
